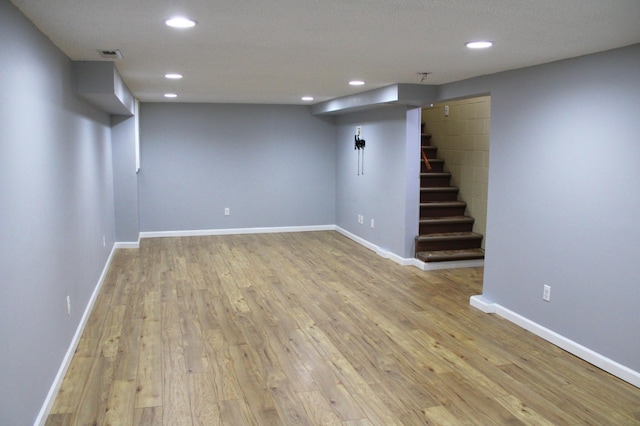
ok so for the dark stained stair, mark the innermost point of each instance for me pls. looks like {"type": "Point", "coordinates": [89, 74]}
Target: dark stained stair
{"type": "Point", "coordinates": [446, 233]}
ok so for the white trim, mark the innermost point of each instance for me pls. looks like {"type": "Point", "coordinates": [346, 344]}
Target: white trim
{"type": "Point", "coordinates": [479, 302]}
{"type": "Point", "coordinates": [357, 239]}
{"type": "Point", "coordinates": [235, 231]}
{"type": "Point", "coordinates": [66, 362]}
{"type": "Point", "coordinates": [388, 255]}
{"type": "Point", "coordinates": [127, 245]}
{"type": "Point", "coordinates": [377, 249]}
{"type": "Point", "coordinates": [599, 360]}
{"type": "Point", "coordinates": [450, 264]}
{"type": "Point", "coordinates": [136, 133]}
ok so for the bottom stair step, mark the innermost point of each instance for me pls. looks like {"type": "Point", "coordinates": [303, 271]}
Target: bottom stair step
{"type": "Point", "coordinates": [449, 255]}
{"type": "Point", "coordinates": [448, 241]}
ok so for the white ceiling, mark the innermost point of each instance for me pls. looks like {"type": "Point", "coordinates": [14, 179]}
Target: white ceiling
{"type": "Point", "coordinates": [275, 51]}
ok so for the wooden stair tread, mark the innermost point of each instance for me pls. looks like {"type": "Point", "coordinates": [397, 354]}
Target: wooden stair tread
{"type": "Point", "coordinates": [443, 204]}
{"type": "Point", "coordinates": [448, 219]}
{"type": "Point", "coordinates": [434, 162]}
{"type": "Point", "coordinates": [435, 174]}
{"type": "Point", "coordinates": [449, 236]}
{"type": "Point", "coordinates": [450, 255]}
{"type": "Point", "coordinates": [440, 189]}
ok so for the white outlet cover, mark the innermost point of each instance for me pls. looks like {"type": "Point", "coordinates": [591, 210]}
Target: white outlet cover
{"type": "Point", "coordinates": [546, 293]}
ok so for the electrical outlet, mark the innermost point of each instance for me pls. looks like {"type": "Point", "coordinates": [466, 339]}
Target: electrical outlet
{"type": "Point", "coordinates": [360, 219]}
{"type": "Point", "coordinates": [372, 223]}
{"type": "Point", "coordinates": [446, 110]}
{"type": "Point", "coordinates": [546, 293]}
{"type": "Point", "coordinates": [68, 305]}
{"type": "Point", "coordinates": [227, 211]}
{"type": "Point", "coordinates": [104, 241]}
{"type": "Point", "coordinates": [358, 131]}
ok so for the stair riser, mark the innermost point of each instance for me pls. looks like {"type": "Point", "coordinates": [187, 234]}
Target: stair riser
{"type": "Point", "coordinates": [440, 228]}
{"type": "Point", "coordinates": [449, 245]}
{"type": "Point", "coordinates": [425, 196]}
{"type": "Point", "coordinates": [433, 182]}
{"type": "Point", "coordinates": [436, 166]}
{"type": "Point", "coordinates": [430, 151]}
{"type": "Point", "coordinates": [441, 211]}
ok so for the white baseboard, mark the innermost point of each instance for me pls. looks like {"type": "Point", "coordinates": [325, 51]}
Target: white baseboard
{"type": "Point", "coordinates": [236, 231]}
{"type": "Point", "coordinates": [357, 239]}
{"type": "Point", "coordinates": [479, 302]}
{"type": "Point", "coordinates": [392, 256]}
{"type": "Point", "coordinates": [377, 249]}
{"type": "Point", "coordinates": [451, 264]}
{"type": "Point", "coordinates": [66, 362]}
{"type": "Point", "coordinates": [127, 244]}
{"type": "Point", "coordinates": [592, 357]}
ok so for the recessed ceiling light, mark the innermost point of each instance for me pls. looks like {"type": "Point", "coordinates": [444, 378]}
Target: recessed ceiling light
{"type": "Point", "coordinates": [356, 82]}
{"type": "Point", "coordinates": [173, 76]}
{"type": "Point", "coordinates": [307, 98]}
{"type": "Point", "coordinates": [180, 22]}
{"type": "Point", "coordinates": [170, 95]}
{"type": "Point", "coordinates": [482, 44]}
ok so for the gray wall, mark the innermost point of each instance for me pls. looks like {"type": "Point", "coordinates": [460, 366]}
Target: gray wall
{"type": "Point", "coordinates": [125, 179]}
{"type": "Point", "coordinates": [388, 190]}
{"type": "Point", "coordinates": [564, 197]}
{"type": "Point", "coordinates": [56, 203]}
{"type": "Point", "coordinates": [272, 166]}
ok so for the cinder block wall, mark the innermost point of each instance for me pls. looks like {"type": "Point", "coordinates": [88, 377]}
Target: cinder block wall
{"type": "Point", "coordinates": [462, 139]}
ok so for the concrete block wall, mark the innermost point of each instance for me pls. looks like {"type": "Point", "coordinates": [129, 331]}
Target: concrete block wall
{"type": "Point", "coordinates": [462, 138]}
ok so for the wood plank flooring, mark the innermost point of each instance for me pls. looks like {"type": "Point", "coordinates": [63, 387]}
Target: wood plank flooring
{"type": "Point", "coordinates": [313, 329]}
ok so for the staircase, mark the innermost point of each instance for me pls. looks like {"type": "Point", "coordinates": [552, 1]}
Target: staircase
{"type": "Point", "coordinates": [445, 233]}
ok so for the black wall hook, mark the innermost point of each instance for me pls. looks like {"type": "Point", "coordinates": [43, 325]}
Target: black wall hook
{"type": "Point", "coordinates": [359, 145]}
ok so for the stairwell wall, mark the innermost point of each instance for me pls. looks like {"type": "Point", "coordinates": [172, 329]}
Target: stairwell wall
{"type": "Point", "coordinates": [387, 191]}
{"type": "Point", "coordinates": [563, 197]}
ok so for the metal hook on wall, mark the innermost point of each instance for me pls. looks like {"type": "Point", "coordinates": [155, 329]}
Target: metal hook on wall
{"type": "Point", "coordinates": [359, 145]}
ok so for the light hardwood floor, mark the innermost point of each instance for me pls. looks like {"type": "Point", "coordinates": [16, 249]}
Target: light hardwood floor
{"type": "Point", "coordinates": [313, 329]}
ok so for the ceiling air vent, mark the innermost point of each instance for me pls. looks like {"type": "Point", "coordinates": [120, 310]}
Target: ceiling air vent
{"type": "Point", "coordinates": [110, 54]}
